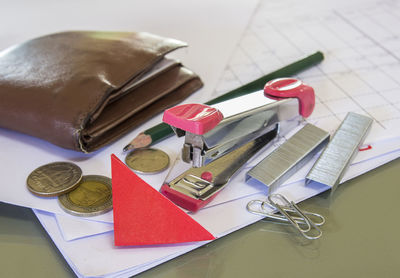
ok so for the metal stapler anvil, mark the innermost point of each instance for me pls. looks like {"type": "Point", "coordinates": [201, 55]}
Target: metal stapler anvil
{"type": "Point", "coordinates": [219, 139]}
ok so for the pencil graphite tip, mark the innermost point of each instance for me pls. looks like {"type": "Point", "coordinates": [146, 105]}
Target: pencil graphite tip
{"type": "Point", "coordinates": [127, 148]}
{"type": "Point", "coordinates": [141, 141]}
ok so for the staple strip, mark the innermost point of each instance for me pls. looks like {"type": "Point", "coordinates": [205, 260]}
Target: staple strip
{"type": "Point", "coordinates": [278, 166]}
{"type": "Point", "coordinates": [339, 153]}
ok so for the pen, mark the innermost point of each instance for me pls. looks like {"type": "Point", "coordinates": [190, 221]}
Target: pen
{"type": "Point", "coordinates": [162, 131]}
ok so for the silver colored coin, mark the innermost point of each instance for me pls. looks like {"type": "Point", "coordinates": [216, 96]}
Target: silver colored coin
{"type": "Point", "coordinates": [147, 160]}
{"type": "Point", "coordinates": [54, 179]}
{"type": "Point", "coordinates": [92, 197]}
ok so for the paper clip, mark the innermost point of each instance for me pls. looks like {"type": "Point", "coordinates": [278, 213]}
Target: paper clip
{"type": "Point", "coordinates": [301, 222]}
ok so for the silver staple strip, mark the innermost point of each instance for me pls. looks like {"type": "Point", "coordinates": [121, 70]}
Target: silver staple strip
{"type": "Point", "coordinates": [333, 162]}
{"type": "Point", "coordinates": [287, 159]}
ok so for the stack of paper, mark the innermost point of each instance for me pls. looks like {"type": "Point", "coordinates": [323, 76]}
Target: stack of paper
{"type": "Point", "coordinates": [360, 73]}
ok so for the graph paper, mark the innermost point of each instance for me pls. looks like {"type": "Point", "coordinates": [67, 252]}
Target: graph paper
{"type": "Point", "coordinates": [361, 69]}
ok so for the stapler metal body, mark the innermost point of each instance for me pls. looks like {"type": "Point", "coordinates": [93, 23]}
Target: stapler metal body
{"type": "Point", "coordinates": [220, 139]}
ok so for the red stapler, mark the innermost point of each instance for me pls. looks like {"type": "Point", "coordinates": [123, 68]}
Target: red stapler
{"type": "Point", "coordinates": [220, 139]}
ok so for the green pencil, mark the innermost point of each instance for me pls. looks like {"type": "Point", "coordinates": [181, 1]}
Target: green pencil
{"type": "Point", "coordinates": [163, 131]}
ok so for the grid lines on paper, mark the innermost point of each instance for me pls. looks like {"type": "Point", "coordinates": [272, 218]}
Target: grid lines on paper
{"type": "Point", "coordinates": [361, 69]}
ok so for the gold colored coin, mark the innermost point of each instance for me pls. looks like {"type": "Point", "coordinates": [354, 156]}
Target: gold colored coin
{"type": "Point", "coordinates": [54, 179]}
{"type": "Point", "coordinates": [92, 197]}
{"type": "Point", "coordinates": [147, 160]}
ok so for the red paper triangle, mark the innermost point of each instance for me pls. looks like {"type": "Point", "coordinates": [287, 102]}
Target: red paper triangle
{"type": "Point", "coordinates": [143, 216]}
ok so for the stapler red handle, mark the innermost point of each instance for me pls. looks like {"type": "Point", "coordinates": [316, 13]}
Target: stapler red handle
{"type": "Point", "coordinates": [195, 118]}
{"type": "Point", "coordinates": [292, 88]}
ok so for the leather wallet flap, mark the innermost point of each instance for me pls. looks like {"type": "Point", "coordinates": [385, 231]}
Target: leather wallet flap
{"type": "Point", "coordinates": [53, 86]}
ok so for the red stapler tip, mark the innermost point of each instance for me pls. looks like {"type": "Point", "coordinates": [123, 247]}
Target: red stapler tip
{"type": "Point", "coordinates": [195, 118]}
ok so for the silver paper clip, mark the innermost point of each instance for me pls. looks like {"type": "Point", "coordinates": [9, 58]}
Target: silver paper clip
{"type": "Point", "coordinates": [302, 222]}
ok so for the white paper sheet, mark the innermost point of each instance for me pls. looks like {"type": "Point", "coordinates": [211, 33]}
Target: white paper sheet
{"type": "Point", "coordinates": [72, 228]}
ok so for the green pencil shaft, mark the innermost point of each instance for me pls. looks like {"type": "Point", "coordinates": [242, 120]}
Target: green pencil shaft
{"type": "Point", "coordinates": [259, 83]}
{"type": "Point", "coordinates": [159, 132]}
{"type": "Point", "coordinates": [163, 130]}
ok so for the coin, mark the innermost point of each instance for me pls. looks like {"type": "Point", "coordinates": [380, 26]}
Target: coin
{"type": "Point", "coordinates": [54, 179]}
{"type": "Point", "coordinates": [92, 197]}
{"type": "Point", "coordinates": [147, 160]}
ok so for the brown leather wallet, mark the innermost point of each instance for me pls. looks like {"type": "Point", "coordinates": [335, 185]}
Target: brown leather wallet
{"type": "Point", "coordinates": [82, 90]}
